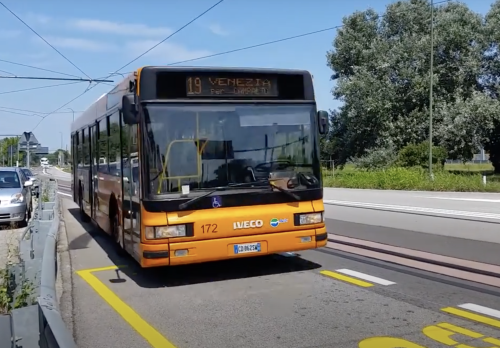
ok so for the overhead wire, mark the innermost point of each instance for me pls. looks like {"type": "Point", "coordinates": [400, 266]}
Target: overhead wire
{"type": "Point", "coordinates": [43, 39]}
{"type": "Point", "coordinates": [80, 79]}
{"type": "Point", "coordinates": [236, 50]}
{"type": "Point", "coordinates": [7, 72]}
{"type": "Point", "coordinates": [40, 87]}
{"type": "Point", "coordinates": [257, 45]}
{"type": "Point", "coordinates": [135, 59]}
{"type": "Point", "coordinates": [165, 39]}
{"type": "Point", "coordinates": [168, 37]}
{"type": "Point", "coordinates": [62, 106]}
{"type": "Point", "coordinates": [37, 68]}
{"type": "Point", "coordinates": [19, 113]}
{"type": "Point", "coordinates": [36, 112]}
{"type": "Point", "coordinates": [273, 41]}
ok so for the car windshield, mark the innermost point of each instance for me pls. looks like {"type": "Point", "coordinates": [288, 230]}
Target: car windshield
{"type": "Point", "coordinates": [9, 180]}
{"type": "Point", "coordinates": [206, 146]}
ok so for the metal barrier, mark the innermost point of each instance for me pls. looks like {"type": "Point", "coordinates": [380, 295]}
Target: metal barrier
{"type": "Point", "coordinates": [35, 321]}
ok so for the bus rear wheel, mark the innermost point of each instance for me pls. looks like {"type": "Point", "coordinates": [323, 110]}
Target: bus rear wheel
{"type": "Point", "coordinates": [115, 234]}
{"type": "Point", "coordinates": [83, 215]}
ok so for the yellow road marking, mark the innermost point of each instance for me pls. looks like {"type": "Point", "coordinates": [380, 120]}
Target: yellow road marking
{"type": "Point", "coordinates": [472, 316]}
{"type": "Point", "coordinates": [92, 270]}
{"type": "Point", "coordinates": [346, 279]}
{"type": "Point", "coordinates": [461, 330]}
{"type": "Point", "coordinates": [149, 333]}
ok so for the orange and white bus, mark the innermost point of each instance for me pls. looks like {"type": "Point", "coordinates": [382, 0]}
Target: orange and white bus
{"type": "Point", "coordinates": [186, 165]}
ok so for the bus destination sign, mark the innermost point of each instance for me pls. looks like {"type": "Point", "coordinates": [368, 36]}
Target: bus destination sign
{"type": "Point", "coordinates": [220, 86]}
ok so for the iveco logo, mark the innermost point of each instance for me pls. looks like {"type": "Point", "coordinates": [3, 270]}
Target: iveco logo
{"type": "Point", "coordinates": [247, 224]}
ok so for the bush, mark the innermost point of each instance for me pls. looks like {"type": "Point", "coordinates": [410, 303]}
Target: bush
{"type": "Point", "coordinates": [417, 155]}
{"type": "Point", "coordinates": [398, 178]}
{"type": "Point", "coordinates": [380, 158]}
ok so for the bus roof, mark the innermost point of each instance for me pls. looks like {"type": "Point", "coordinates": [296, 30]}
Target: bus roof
{"type": "Point", "coordinates": [105, 102]}
{"type": "Point", "coordinates": [108, 102]}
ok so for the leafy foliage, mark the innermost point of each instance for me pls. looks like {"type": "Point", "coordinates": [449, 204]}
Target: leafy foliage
{"type": "Point", "coordinates": [381, 64]}
{"type": "Point", "coordinates": [8, 299]}
{"type": "Point", "coordinates": [6, 157]}
{"type": "Point", "coordinates": [377, 158]}
{"type": "Point", "coordinates": [417, 155]}
{"type": "Point", "coordinates": [396, 178]}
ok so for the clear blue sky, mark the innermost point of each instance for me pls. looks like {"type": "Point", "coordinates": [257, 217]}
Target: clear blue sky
{"type": "Point", "coordinates": [101, 36]}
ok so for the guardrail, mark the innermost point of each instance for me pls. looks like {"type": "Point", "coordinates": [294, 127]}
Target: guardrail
{"type": "Point", "coordinates": [34, 320]}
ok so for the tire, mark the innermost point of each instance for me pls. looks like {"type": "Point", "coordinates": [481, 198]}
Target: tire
{"type": "Point", "coordinates": [24, 223]}
{"type": "Point", "coordinates": [83, 216]}
{"type": "Point", "coordinates": [115, 235]}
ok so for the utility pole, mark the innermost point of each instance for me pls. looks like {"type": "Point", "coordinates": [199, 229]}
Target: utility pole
{"type": "Point", "coordinates": [431, 175]}
{"type": "Point", "coordinates": [28, 154]}
{"type": "Point", "coordinates": [27, 135]}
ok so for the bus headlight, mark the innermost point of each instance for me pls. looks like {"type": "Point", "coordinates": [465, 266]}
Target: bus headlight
{"type": "Point", "coordinates": [311, 218]}
{"type": "Point", "coordinates": [160, 232]}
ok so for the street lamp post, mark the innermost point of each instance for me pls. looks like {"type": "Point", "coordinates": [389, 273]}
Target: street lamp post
{"type": "Point", "coordinates": [73, 111]}
{"type": "Point", "coordinates": [431, 78]}
{"type": "Point", "coordinates": [60, 150]}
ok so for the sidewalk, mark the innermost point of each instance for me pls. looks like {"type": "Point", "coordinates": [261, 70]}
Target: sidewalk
{"type": "Point", "coordinates": [94, 323]}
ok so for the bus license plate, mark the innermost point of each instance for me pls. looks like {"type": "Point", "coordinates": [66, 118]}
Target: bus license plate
{"type": "Point", "coordinates": [247, 248]}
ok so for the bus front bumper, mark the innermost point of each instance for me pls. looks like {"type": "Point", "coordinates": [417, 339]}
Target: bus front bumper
{"type": "Point", "coordinates": [155, 255]}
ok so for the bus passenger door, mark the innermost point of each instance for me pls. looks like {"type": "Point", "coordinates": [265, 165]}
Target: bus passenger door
{"type": "Point", "coordinates": [93, 172]}
{"type": "Point", "coordinates": [131, 207]}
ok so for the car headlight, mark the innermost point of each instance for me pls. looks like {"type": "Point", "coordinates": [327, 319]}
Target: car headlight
{"type": "Point", "coordinates": [159, 232]}
{"type": "Point", "coordinates": [311, 218]}
{"type": "Point", "coordinates": [17, 198]}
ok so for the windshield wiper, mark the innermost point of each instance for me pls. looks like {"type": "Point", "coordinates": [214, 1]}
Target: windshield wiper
{"type": "Point", "coordinates": [184, 205]}
{"type": "Point", "coordinates": [281, 189]}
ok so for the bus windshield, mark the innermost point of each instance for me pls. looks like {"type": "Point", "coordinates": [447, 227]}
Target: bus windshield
{"type": "Point", "coordinates": [207, 145]}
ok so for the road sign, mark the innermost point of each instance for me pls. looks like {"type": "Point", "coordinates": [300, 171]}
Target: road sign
{"type": "Point", "coordinates": [25, 147]}
{"type": "Point", "coordinates": [42, 150]}
{"type": "Point", "coordinates": [28, 137]}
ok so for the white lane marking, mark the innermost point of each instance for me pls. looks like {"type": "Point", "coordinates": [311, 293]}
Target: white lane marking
{"type": "Point", "coordinates": [414, 209]}
{"type": "Point", "coordinates": [366, 277]}
{"type": "Point", "coordinates": [466, 199]}
{"type": "Point", "coordinates": [65, 194]}
{"type": "Point", "coordinates": [480, 309]}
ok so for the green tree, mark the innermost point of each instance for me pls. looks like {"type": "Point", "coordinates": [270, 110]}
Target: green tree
{"type": "Point", "coordinates": [491, 77]}
{"type": "Point", "coordinates": [54, 156]}
{"type": "Point", "coordinates": [5, 155]}
{"type": "Point", "coordinates": [381, 64]}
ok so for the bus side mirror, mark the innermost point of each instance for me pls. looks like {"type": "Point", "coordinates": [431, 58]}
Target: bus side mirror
{"type": "Point", "coordinates": [323, 122]}
{"type": "Point", "coordinates": [128, 110]}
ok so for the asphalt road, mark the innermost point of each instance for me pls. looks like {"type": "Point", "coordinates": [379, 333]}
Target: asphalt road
{"type": "Point", "coordinates": [447, 202]}
{"type": "Point", "coordinates": [275, 301]}
{"type": "Point", "coordinates": [63, 180]}
{"type": "Point", "coordinates": [320, 298]}
{"type": "Point", "coordinates": [461, 225]}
